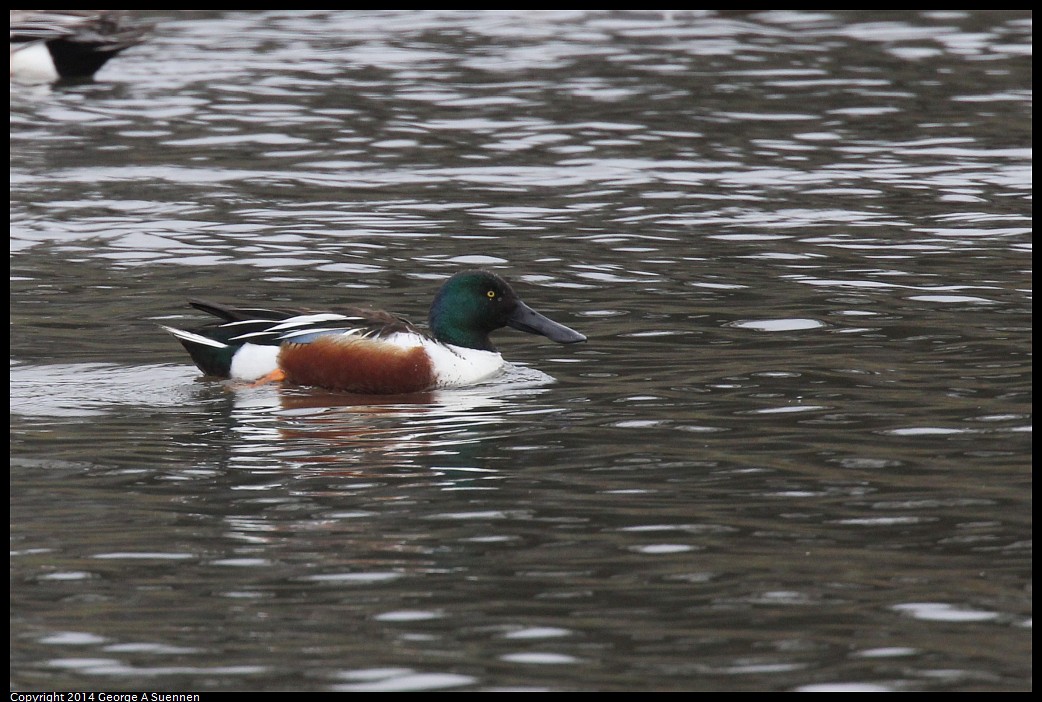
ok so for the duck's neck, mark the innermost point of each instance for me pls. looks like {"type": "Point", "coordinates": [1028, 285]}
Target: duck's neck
{"type": "Point", "coordinates": [448, 328]}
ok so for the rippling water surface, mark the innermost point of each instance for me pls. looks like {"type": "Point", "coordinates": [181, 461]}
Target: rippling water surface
{"type": "Point", "coordinates": [794, 454]}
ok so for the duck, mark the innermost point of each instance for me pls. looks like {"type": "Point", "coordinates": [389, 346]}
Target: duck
{"type": "Point", "coordinates": [367, 351]}
{"type": "Point", "coordinates": [48, 45]}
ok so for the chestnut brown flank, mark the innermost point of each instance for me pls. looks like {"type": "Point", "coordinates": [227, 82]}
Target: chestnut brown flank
{"type": "Point", "coordinates": [357, 365]}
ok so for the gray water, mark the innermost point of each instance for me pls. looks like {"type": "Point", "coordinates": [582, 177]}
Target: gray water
{"type": "Point", "coordinates": [793, 455]}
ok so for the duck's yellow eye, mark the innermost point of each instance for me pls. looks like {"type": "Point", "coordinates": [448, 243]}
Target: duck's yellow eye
{"type": "Point", "coordinates": [491, 294]}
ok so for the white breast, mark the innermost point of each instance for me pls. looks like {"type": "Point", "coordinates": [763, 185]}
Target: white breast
{"type": "Point", "coordinates": [454, 366]}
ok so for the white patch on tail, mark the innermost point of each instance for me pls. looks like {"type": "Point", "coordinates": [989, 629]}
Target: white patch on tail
{"type": "Point", "coordinates": [250, 362]}
{"type": "Point", "coordinates": [254, 361]}
{"type": "Point", "coordinates": [33, 64]}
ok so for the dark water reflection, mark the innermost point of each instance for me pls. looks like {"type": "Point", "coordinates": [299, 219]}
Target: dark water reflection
{"type": "Point", "coordinates": [795, 453]}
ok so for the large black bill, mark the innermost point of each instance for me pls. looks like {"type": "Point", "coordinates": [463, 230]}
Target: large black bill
{"type": "Point", "coordinates": [528, 320]}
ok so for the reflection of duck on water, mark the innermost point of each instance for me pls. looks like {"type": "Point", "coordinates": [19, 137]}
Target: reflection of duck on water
{"type": "Point", "coordinates": [47, 45]}
{"type": "Point", "coordinates": [368, 351]}
{"type": "Point", "coordinates": [283, 426]}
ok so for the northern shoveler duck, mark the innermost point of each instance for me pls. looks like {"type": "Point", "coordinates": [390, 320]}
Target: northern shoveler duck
{"type": "Point", "coordinates": [368, 351]}
{"type": "Point", "coordinates": [50, 44]}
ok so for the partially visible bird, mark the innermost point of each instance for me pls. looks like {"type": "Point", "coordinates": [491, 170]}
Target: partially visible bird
{"type": "Point", "coordinates": [48, 45]}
